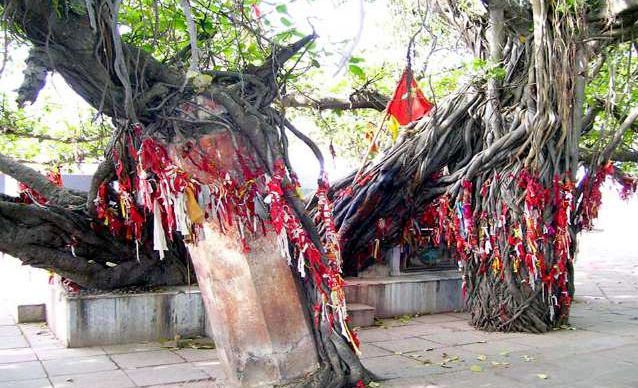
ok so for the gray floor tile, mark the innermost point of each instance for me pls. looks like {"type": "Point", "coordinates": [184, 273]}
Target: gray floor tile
{"type": "Point", "coordinates": [10, 331]}
{"type": "Point", "coordinates": [58, 353]}
{"type": "Point", "coordinates": [392, 367]}
{"type": "Point", "coordinates": [12, 342]}
{"type": "Point", "coordinates": [21, 371]}
{"type": "Point", "coordinates": [166, 374]}
{"type": "Point", "coordinates": [109, 379]}
{"type": "Point", "coordinates": [6, 319]}
{"type": "Point", "coordinates": [130, 348]}
{"type": "Point", "coordinates": [370, 350]}
{"type": "Point", "coordinates": [144, 359]}
{"type": "Point", "coordinates": [197, 354]}
{"type": "Point", "coordinates": [35, 383]}
{"type": "Point", "coordinates": [80, 365]}
{"type": "Point", "coordinates": [407, 345]}
{"type": "Point", "coordinates": [17, 355]}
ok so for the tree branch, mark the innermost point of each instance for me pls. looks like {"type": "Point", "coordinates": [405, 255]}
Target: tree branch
{"type": "Point", "coordinates": [368, 100]}
{"type": "Point", "coordinates": [619, 155]}
{"type": "Point", "coordinates": [84, 57]}
{"type": "Point", "coordinates": [279, 56]}
{"type": "Point", "coordinates": [632, 116]}
{"type": "Point", "coordinates": [64, 241]}
{"type": "Point", "coordinates": [35, 76]}
{"type": "Point", "coordinates": [56, 195]}
{"type": "Point", "coordinates": [44, 137]}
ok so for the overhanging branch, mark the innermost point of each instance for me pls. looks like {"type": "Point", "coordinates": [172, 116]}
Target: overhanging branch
{"type": "Point", "coordinates": [369, 100]}
{"type": "Point", "coordinates": [56, 195]}
{"type": "Point", "coordinates": [632, 116]}
{"type": "Point", "coordinates": [63, 240]}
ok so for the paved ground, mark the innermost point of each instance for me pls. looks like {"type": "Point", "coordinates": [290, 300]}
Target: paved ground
{"type": "Point", "coordinates": [600, 350]}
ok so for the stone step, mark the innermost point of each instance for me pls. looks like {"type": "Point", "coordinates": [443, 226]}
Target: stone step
{"type": "Point", "coordinates": [360, 314]}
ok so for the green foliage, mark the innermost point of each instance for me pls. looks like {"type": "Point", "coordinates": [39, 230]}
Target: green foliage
{"type": "Point", "coordinates": [487, 70]}
{"type": "Point", "coordinates": [613, 90]}
{"type": "Point", "coordinates": [233, 35]}
{"type": "Point", "coordinates": [46, 136]}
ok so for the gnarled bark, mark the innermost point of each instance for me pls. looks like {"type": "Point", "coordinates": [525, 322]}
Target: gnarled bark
{"type": "Point", "coordinates": [72, 245]}
{"type": "Point", "coordinates": [480, 164]}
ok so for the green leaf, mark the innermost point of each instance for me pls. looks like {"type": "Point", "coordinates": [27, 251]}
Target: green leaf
{"type": "Point", "coordinates": [285, 22]}
{"type": "Point", "coordinates": [357, 71]}
{"type": "Point", "coordinates": [356, 60]}
{"type": "Point", "coordinates": [282, 8]}
{"type": "Point", "coordinates": [478, 64]}
{"type": "Point", "coordinates": [476, 368]}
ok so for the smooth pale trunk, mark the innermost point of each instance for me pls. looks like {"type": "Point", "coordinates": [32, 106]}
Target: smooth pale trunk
{"type": "Point", "coordinates": [255, 310]}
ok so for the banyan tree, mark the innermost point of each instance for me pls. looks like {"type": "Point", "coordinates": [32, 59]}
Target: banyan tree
{"type": "Point", "coordinates": [198, 169]}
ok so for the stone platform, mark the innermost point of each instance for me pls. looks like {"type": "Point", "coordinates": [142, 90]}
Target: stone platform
{"type": "Point", "coordinates": [120, 318]}
{"type": "Point", "coordinates": [423, 293]}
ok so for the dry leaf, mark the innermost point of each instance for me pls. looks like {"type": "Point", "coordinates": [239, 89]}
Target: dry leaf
{"type": "Point", "coordinates": [476, 368]}
{"type": "Point", "coordinates": [481, 357]}
{"type": "Point", "coordinates": [542, 376]}
{"type": "Point", "coordinates": [451, 359]}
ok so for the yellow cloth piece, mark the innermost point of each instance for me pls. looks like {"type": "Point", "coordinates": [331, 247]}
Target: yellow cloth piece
{"type": "Point", "coordinates": [123, 207]}
{"type": "Point", "coordinates": [299, 193]}
{"type": "Point", "coordinates": [194, 211]}
{"type": "Point", "coordinates": [393, 127]}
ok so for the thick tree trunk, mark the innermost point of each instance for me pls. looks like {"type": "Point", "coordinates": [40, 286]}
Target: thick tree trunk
{"type": "Point", "coordinates": [491, 175]}
{"type": "Point", "coordinates": [254, 292]}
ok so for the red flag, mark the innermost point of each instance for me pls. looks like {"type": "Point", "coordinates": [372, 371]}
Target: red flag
{"type": "Point", "coordinates": [408, 105]}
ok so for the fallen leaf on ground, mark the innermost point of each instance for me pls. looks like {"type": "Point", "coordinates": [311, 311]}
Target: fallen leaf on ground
{"type": "Point", "coordinates": [481, 357]}
{"type": "Point", "coordinates": [451, 359]}
{"type": "Point", "coordinates": [542, 376]}
{"type": "Point", "coordinates": [476, 368]}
